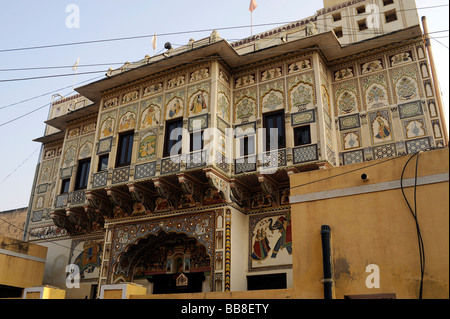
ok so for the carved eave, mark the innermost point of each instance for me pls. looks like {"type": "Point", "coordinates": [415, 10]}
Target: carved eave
{"type": "Point", "coordinates": [97, 219]}
{"type": "Point", "coordinates": [100, 203]}
{"type": "Point", "coordinates": [191, 187]}
{"type": "Point", "coordinates": [142, 195]}
{"type": "Point", "coordinates": [79, 219]}
{"type": "Point", "coordinates": [240, 194]}
{"type": "Point", "coordinates": [268, 186]}
{"type": "Point", "coordinates": [121, 200]}
{"type": "Point", "coordinates": [166, 190]}
{"type": "Point", "coordinates": [61, 220]}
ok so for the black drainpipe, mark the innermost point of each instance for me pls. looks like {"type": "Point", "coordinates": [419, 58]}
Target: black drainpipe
{"type": "Point", "coordinates": [326, 253]}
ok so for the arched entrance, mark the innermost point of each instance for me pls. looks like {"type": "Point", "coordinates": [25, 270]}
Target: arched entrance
{"type": "Point", "coordinates": [173, 262]}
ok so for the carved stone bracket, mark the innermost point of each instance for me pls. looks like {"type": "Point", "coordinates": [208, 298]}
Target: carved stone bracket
{"type": "Point", "coordinates": [61, 220]}
{"type": "Point", "coordinates": [121, 202]}
{"type": "Point", "coordinates": [97, 219]}
{"type": "Point", "coordinates": [100, 204]}
{"type": "Point", "coordinates": [142, 196]}
{"type": "Point", "coordinates": [165, 190]}
{"type": "Point", "coordinates": [79, 219]}
{"type": "Point", "coordinates": [268, 186]}
{"type": "Point", "coordinates": [190, 187]}
{"type": "Point", "coordinates": [218, 183]}
{"type": "Point", "coordinates": [239, 194]}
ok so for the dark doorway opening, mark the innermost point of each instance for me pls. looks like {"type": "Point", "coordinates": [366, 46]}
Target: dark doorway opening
{"type": "Point", "coordinates": [166, 284]}
{"type": "Point", "coordinates": [10, 292]}
{"type": "Point", "coordinates": [263, 282]}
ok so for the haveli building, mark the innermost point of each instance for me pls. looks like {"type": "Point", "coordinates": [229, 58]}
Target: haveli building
{"type": "Point", "coordinates": [165, 171]}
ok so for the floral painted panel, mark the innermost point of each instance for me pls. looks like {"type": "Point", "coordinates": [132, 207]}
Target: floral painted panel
{"type": "Point", "coordinates": [272, 96]}
{"type": "Point", "coordinates": [375, 91]}
{"type": "Point", "coordinates": [246, 106]}
{"type": "Point", "coordinates": [405, 84]}
{"type": "Point", "coordinates": [301, 92]}
{"type": "Point", "coordinates": [346, 96]}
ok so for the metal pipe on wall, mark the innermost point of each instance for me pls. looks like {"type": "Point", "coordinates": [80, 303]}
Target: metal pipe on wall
{"type": "Point", "coordinates": [326, 255]}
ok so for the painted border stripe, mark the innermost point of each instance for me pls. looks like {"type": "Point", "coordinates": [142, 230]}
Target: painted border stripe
{"type": "Point", "coordinates": [431, 179]}
{"type": "Point", "coordinates": [19, 255]}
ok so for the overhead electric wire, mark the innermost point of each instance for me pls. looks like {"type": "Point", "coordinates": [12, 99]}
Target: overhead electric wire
{"type": "Point", "coordinates": [4, 179]}
{"type": "Point", "coordinates": [401, 39]}
{"type": "Point", "coordinates": [407, 39]}
{"type": "Point", "coordinates": [50, 76]}
{"type": "Point", "coordinates": [185, 32]}
{"type": "Point", "coordinates": [58, 67]}
{"type": "Point", "coordinates": [2, 245]}
{"type": "Point", "coordinates": [48, 93]}
{"type": "Point", "coordinates": [434, 38]}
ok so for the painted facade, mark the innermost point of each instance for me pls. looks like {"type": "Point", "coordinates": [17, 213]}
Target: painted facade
{"type": "Point", "coordinates": [219, 215]}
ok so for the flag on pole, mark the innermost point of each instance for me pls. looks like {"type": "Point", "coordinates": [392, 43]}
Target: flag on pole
{"type": "Point", "coordinates": [253, 5]}
{"type": "Point", "coordinates": [154, 42]}
{"type": "Point", "coordinates": [75, 66]}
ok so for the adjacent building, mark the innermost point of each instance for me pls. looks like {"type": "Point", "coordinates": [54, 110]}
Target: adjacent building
{"type": "Point", "coordinates": [173, 172]}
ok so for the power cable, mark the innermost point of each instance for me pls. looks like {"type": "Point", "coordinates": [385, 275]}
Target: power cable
{"type": "Point", "coordinates": [414, 214]}
{"type": "Point", "coordinates": [183, 32]}
{"type": "Point", "coordinates": [48, 93]}
{"type": "Point", "coordinates": [434, 38]}
{"type": "Point", "coordinates": [199, 60]}
{"type": "Point", "coordinates": [29, 233]}
{"type": "Point", "coordinates": [407, 38]}
{"type": "Point", "coordinates": [50, 76]}
{"type": "Point", "coordinates": [1, 182]}
{"type": "Point", "coordinates": [122, 63]}
{"type": "Point", "coordinates": [58, 67]}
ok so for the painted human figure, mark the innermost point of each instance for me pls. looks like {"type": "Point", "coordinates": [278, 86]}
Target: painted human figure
{"type": "Point", "coordinates": [383, 130]}
{"type": "Point", "coordinates": [175, 109]}
{"type": "Point", "coordinates": [261, 246]}
{"type": "Point", "coordinates": [283, 225]}
{"type": "Point", "coordinates": [199, 104]}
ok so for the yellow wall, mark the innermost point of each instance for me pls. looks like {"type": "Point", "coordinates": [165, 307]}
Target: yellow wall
{"type": "Point", "coordinates": [17, 271]}
{"type": "Point", "coordinates": [373, 228]}
{"type": "Point", "coordinates": [255, 294]}
{"type": "Point", "coordinates": [331, 3]}
{"type": "Point", "coordinates": [14, 222]}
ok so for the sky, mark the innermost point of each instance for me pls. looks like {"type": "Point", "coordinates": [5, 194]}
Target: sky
{"type": "Point", "coordinates": [25, 24]}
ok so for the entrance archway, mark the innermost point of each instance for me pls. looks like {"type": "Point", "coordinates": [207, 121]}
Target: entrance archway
{"type": "Point", "coordinates": [162, 259]}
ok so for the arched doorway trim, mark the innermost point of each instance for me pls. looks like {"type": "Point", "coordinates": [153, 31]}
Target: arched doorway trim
{"type": "Point", "coordinates": [200, 226]}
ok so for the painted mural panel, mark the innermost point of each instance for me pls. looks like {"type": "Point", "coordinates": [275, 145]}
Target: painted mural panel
{"type": "Point", "coordinates": [381, 126]}
{"type": "Point", "coordinates": [147, 145]}
{"type": "Point", "coordinates": [414, 128]}
{"type": "Point", "coordinates": [270, 241]}
{"type": "Point", "coordinates": [405, 83]}
{"type": "Point", "coordinates": [153, 89]}
{"type": "Point", "coordinates": [272, 96]}
{"type": "Point", "coordinates": [150, 113]}
{"type": "Point", "coordinates": [175, 104]}
{"type": "Point", "coordinates": [245, 105]}
{"type": "Point", "coordinates": [301, 92]}
{"type": "Point", "coordinates": [199, 99]}
{"type": "Point", "coordinates": [375, 91]}
{"type": "Point", "coordinates": [127, 118]}
{"type": "Point", "coordinates": [107, 125]}
{"type": "Point", "coordinates": [346, 97]}
{"type": "Point", "coordinates": [87, 255]}
{"type": "Point", "coordinates": [223, 102]}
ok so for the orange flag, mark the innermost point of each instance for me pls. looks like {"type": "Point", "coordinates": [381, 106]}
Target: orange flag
{"type": "Point", "coordinates": [253, 5]}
